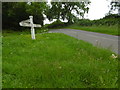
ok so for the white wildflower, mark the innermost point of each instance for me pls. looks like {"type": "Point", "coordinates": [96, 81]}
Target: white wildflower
{"type": "Point", "coordinates": [114, 56]}
{"type": "Point", "coordinates": [47, 37]}
{"type": "Point", "coordinates": [11, 53]}
{"type": "Point", "coordinates": [50, 32]}
{"type": "Point", "coordinates": [60, 67]}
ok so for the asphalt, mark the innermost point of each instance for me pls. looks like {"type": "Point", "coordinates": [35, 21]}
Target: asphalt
{"type": "Point", "coordinates": [97, 39]}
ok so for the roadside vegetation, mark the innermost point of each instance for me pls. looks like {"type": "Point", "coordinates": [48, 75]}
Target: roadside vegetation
{"type": "Point", "coordinates": [55, 60]}
{"type": "Point", "coordinates": [107, 25]}
{"type": "Point", "coordinates": [112, 30]}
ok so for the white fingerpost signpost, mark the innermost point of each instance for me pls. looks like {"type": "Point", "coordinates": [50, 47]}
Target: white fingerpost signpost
{"type": "Point", "coordinates": [29, 23]}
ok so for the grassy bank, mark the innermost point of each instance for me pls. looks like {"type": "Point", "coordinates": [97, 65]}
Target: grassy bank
{"type": "Point", "coordinates": [112, 30]}
{"type": "Point", "coordinates": [55, 60]}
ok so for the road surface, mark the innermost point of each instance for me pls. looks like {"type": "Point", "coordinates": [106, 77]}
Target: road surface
{"type": "Point", "coordinates": [97, 39]}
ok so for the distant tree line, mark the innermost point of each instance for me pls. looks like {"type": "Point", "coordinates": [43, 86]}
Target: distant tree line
{"type": "Point", "coordinates": [112, 19]}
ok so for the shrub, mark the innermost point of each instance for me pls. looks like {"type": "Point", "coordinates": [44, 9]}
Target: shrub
{"type": "Point", "coordinates": [107, 20]}
{"type": "Point", "coordinates": [42, 30]}
{"type": "Point", "coordinates": [56, 24]}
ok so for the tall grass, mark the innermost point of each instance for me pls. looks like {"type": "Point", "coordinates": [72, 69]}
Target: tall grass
{"type": "Point", "coordinates": [55, 60]}
{"type": "Point", "coordinates": [112, 30]}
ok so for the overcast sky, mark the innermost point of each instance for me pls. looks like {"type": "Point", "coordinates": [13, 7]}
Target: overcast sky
{"type": "Point", "coordinates": [98, 9]}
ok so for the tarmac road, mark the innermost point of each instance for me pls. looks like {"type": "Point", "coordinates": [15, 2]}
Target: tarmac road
{"type": "Point", "coordinates": [97, 39]}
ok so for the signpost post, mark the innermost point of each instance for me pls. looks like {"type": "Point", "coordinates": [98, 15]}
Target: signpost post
{"type": "Point", "coordinates": [29, 23]}
{"type": "Point", "coordinates": [32, 27]}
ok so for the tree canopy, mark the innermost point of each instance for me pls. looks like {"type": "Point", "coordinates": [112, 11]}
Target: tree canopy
{"type": "Point", "coordinates": [115, 5]}
{"type": "Point", "coordinates": [14, 12]}
{"type": "Point", "coordinates": [67, 10]}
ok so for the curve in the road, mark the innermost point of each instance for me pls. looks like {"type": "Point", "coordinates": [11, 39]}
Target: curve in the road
{"type": "Point", "coordinates": [97, 39]}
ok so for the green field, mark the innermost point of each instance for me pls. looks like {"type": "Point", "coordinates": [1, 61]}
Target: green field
{"type": "Point", "coordinates": [112, 30]}
{"type": "Point", "coordinates": [55, 60]}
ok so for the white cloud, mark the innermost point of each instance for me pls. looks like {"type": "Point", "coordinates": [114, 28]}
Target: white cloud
{"type": "Point", "coordinates": [98, 9]}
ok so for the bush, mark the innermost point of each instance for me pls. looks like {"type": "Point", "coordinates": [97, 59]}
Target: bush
{"type": "Point", "coordinates": [41, 30]}
{"type": "Point", "coordinates": [84, 22]}
{"type": "Point", "coordinates": [107, 20]}
{"type": "Point", "coordinates": [56, 24]}
{"type": "Point", "coordinates": [112, 16]}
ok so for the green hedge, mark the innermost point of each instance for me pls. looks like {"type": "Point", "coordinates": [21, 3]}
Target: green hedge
{"type": "Point", "coordinates": [107, 20]}
{"type": "Point", "coordinates": [56, 24]}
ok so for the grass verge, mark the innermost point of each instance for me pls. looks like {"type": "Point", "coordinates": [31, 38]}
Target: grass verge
{"type": "Point", "coordinates": [55, 60]}
{"type": "Point", "coordinates": [112, 30]}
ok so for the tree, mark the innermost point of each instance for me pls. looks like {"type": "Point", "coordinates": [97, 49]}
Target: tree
{"type": "Point", "coordinates": [79, 7]}
{"type": "Point", "coordinates": [12, 14]}
{"type": "Point", "coordinates": [54, 12]}
{"type": "Point", "coordinates": [63, 10]}
{"type": "Point", "coordinates": [15, 12]}
{"type": "Point", "coordinates": [37, 10]}
{"type": "Point", "coordinates": [115, 5]}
